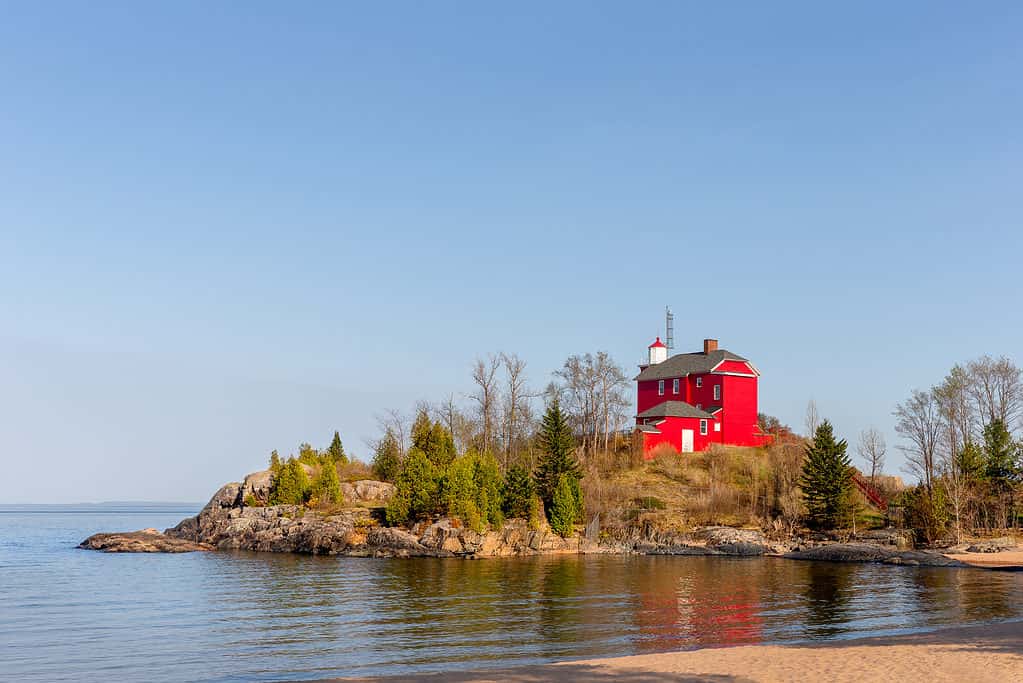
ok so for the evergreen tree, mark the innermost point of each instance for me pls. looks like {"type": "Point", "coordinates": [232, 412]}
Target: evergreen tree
{"type": "Point", "coordinates": [826, 479]}
{"type": "Point", "coordinates": [326, 487]}
{"type": "Point", "coordinates": [1001, 455]}
{"type": "Point", "coordinates": [336, 451]}
{"type": "Point", "coordinates": [458, 491]}
{"type": "Point", "coordinates": [486, 477]}
{"type": "Point", "coordinates": [442, 445]}
{"type": "Point", "coordinates": [275, 462]}
{"type": "Point", "coordinates": [557, 454]}
{"type": "Point", "coordinates": [970, 462]}
{"type": "Point", "coordinates": [290, 485]}
{"type": "Point", "coordinates": [564, 509]}
{"type": "Point", "coordinates": [471, 490]}
{"type": "Point", "coordinates": [415, 490]}
{"type": "Point", "coordinates": [308, 455]}
{"type": "Point", "coordinates": [433, 439]}
{"type": "Point", "coordinates": [422, 431]}
{"type": "Point", "coordinates": [387, 458]}
{"type": "Point", "coordinates": [518, 492]}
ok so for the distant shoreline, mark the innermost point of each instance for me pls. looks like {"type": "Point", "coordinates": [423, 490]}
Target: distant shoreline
{"type": "Point", "coordinates": [982, 652]}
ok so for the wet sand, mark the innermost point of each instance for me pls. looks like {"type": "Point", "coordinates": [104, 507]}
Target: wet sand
{"type": "Point", "coordinates": [991, 652]}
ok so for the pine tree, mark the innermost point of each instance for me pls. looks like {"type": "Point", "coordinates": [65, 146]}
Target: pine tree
{"type": "Point", "coordinates": [290, 485]}
{"type": "Point", "coordinates": [275, 462]}
{"type": "Point", "coordinates": [433, 439]}
{"type": "Point", "coordinates": [336, 451]}
{"type": "Point", "coordinates": [326, 487]}
{"type": "Point", "coordinates": [564, 509]}
{"type": "Point", "coordinates": [486, 478]}
{"type": "Point", "coordinates": [1001, 455]}
{"type": "Point", "coordinates": [442, 445]}
{"type": "Point", "coordinates": [387, 458]}
{"type": "Point", "coordinates": [826, 479]}
{"type": "Point", "coordinates": [557, 454]}
{"type": "Point", "coordinates": [415, 491]}
{"type": "Point", "coordinates": [308, 455]}
{"type": "Point", "coordinates": [518, 492]}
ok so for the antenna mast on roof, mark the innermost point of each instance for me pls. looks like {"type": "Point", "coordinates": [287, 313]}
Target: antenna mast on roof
{"type": "Point", "coordinates": [669, 329]}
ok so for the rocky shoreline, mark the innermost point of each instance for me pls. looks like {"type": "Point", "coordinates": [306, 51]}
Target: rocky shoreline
{"type": "Point", "coordinates": [230, 521]}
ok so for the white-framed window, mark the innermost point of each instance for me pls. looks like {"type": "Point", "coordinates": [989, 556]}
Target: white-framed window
{"type": "Point", "coordinates": [717, 426]}
{"type": "Point", "coordinates": [717, 392]}
{"type": "Point", "coordinates": [703, 428]}
{"type": "Point", "coordinates": [660, 387]}
{"type": "Point", "coordinates": [699, 382]}
{"type": "Point", "coordinates": [674, 386]}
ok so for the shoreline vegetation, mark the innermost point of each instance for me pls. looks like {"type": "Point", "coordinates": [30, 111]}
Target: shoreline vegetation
{"type": "Point", "coordinates": [494, 480]}
{"type": "Point", "coordinates": [988, 652]}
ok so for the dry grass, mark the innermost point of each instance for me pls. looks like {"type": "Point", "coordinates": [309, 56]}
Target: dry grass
{"type": "Point", "coordinates": [724, 485]}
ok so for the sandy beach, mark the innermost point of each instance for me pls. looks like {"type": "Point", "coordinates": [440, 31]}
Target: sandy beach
{"type": "Point", "coordinates": [1007, 559]}
{"type": "Point", "coordinates": [972, 653]}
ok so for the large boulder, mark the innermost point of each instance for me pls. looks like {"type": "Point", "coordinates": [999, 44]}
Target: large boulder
{"type": "Point", "coordinates": [367, 492]}
{"type": "Point", "coordinates": [256, 486]}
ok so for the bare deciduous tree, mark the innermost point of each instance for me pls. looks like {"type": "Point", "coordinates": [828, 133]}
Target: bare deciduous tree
{"type": "Point", "coordinates": [593, 392]}
{"type": "Point", "coordinates": [953, 398]}
{"type": "Point", "coordinates": [457, 423]}
{"type": "Point", "coordinates": [918, 421]}
{"type": "Point", "coordinates": [996, 387]}
{"type": "Point", "coordinates": [516, 413]}
{"type": "Point", "coordinates": [812, 419]}
{"type": "Point", "coordinates": [872, 449]}
{"type": "Point", "coordinates": [484, 374]}
{"type": "Point", "coordinates": [397, 423]}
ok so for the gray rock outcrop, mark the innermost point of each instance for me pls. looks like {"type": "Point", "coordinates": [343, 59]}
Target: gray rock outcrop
{"type": "Point", "coordinates": [867, 552]}
{"type": "Point", "coordinates": [144, 541]}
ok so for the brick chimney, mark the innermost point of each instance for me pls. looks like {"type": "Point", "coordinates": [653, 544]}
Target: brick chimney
{"type": "Point", "coordinates": [710, 345]}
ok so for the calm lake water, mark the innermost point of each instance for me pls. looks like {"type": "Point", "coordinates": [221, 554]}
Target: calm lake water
{"type": "Point", "coordinates": [68, 614]}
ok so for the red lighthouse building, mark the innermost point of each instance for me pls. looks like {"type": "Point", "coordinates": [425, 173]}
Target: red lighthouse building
{"type": "Point", "coordinates": [693, 400]}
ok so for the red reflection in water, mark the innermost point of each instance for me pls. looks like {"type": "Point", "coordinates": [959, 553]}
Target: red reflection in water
{"type": "Point", "coordinates": [691, 610]}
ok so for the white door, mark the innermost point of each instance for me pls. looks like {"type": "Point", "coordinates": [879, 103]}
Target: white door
{"type": "Point", "coordinates": [687, 440]}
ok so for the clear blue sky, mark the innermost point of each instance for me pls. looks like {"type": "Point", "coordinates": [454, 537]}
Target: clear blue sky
{"type": "Point", "coordinates": [227, 229]}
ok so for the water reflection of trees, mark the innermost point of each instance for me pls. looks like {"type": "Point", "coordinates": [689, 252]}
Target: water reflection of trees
{"type": "Point", "coordinates": [943, 595]}
{"type": "Point", "coordinates": [828, 595]}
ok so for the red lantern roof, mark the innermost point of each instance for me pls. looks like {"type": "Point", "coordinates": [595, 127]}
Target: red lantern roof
{"type": "Point", "coordinates": [657, 344]}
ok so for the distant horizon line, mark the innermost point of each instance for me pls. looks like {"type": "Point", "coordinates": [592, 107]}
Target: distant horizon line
{"type": "Point", "coordinates": [108, 503]}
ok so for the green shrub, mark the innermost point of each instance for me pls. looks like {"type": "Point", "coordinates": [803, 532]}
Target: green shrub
{"type": "Point", "coordinates": [650, 503]}
{"type": "Point", "coordinates": [927, 512]}
{"type": "Point", "coordinates": [290, 485]}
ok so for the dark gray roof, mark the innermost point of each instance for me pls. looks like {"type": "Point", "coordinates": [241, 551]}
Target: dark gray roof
{"type": "Point", "coordinates": [686, 364]}
{"type": "Point", "coordinates": [649, 429]}
{"type": "Point", "coordinates": [674, 409]}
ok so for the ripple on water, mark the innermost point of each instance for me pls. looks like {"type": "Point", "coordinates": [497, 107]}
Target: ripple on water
{"type": "Point", "coordinates": [77, 615]}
